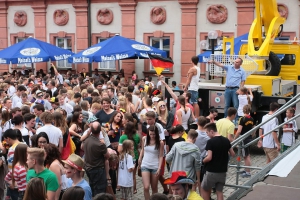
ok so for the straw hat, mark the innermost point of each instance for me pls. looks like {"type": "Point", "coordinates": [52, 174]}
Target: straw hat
{"type": "Point", "coordinates": [75, 161]}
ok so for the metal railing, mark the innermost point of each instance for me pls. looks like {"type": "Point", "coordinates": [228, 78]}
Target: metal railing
{"type": "Point", "coordinates": [242, 190]}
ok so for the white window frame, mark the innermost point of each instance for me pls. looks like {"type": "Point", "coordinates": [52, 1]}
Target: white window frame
{"type": "Point", "coordinates": [66, 64]}
{"type": "Point", "coordinates": [160, 47]}
{"type": "Point", "coordinates": [107, 65]}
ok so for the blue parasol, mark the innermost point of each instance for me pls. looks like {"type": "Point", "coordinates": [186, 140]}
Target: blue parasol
{"type": "Point", "coordinates": [115, 48]}
{"type": "Point", "coordinates": [32, 51]}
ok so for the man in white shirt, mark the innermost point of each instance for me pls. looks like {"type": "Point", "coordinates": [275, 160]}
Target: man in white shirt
{"type": "Point", "coordinates": [270, 142]}
{"type": "Point", "coordinates": [54, 134]}
{"type": "Point", "coordinates": [17, 96]}
{"type": "Point", "coordinates": [52, 90]}
{"type": "Point", "coordinates": [14, 112]}
{"type": "Point", "coordinates": [6, 105]}
{"type": "Point", "coordinates": [67, 107]}
{"type": "Point", "coordinates": [11, 89]}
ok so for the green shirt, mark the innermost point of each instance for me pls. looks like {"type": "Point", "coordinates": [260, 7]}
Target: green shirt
{"type": "Point", "coordinates": [48, 176]}
{"type": "Point", "coordinates": [136, 141]}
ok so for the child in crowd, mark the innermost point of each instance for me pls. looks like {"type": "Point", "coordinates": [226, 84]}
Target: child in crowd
{"type": "Point", "coordinates": [245, 97]}
{"type": "Point", "coordinates": [126, 167]}
{"type": "Point", "coordinates": [289, 130]}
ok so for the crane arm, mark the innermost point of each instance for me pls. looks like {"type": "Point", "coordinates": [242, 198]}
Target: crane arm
{"type": "Point", "coordinates": [267, 16]}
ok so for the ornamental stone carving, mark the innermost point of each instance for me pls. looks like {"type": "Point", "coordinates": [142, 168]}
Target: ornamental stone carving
{"type": "Point", "coordinates": [158, 15]}
{"type": "Point", "coordinates": [283, 10]}
{"type": "Point", "coordinates": [105, 16]}
{"type": "Point", "coordinates": [20, 18]}
{"type": "Point", "coordinates": [60, 17]}
{"type": "Point", "coordinates": [217, 14]}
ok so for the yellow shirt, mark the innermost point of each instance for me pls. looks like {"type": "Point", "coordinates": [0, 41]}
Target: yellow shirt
{"type": "Point", "coordinates": [184, 135]}
{"type": "Point", "coordinates": [193, 196]}
{"type": "Point", "coordinates": [225, 127]}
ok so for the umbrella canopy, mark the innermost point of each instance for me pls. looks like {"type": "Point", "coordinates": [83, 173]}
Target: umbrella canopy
{"type": "Point", "coordinates": [32, 51]}
{"type": "Point", "coordinates": [115, 48]}
{"type": "Point", "coordinates": [237, 45]}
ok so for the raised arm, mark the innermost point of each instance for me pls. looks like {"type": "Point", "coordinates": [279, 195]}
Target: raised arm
{"type": "Point", "coordinates": [174, 96]}
{"type": "Point", "coordinates": [216, 63]}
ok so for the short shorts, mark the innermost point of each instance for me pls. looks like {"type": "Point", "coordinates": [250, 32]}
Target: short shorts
{"type": "Point", "coordinates": [271, 153]}
{"type": "Point", "coordinates": [152, 171]}
{"type": "Point", "coordinates": [216, 180]}
{"type": "Point", "coordinates": [246, 151]}
{"type": "Point", "coordinates": [194, 97]}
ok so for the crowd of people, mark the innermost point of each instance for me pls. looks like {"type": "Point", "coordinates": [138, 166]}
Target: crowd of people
{"type": "Point", "coordinates": [56, 128]}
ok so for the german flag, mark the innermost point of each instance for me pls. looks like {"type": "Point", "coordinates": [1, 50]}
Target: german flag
{"type": "Point", "coordinates": [159, 63]}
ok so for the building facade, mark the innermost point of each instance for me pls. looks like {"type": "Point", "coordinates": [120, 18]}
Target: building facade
{"type": "Point", "coordinates": [176, 26]}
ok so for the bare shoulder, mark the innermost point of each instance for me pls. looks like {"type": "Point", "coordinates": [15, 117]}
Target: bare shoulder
{"type": "Point", "coordinates": [192, 70]}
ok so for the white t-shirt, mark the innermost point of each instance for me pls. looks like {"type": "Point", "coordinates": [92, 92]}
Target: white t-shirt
{"type": "Point", "coordinates": [106, 138]}
{"type": "Point", "coordinates": [135, 99]}
{"type": "Point", "coordinates": [144, 111]}
{"type": "Point", "coordinates": [158, 84]}
{"type": "Point", "coordinates": [54, 133]}
{"type": "Point", "coordinates": [125, 178]}
{"type": "Point", "coordinates": [242, 102]}
{"type": "Point", "coordinates": [268, 140]}
{"type": "Point", "coordinates": [11, 90]}
{"type": "Point", "coordinates": [288, 136]}
{"type": "Point", "coordinates": [160, 130]}
{"type": "Point", "coordinates": [15, 99]}
{"type": "Point", "coordinates": [68, 108]}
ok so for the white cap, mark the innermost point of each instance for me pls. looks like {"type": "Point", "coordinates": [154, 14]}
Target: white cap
{"type": "Point", "coordinates": [155, 99]}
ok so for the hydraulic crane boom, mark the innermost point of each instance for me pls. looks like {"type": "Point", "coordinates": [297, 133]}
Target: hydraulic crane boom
{"type": "Point", "coordinates": [269, 19]}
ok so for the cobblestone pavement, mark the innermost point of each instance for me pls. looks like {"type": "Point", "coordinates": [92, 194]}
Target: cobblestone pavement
{"type": "Point", "coordinates": [257, 158]}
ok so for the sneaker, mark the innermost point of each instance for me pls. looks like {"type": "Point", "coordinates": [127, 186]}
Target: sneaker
{"type": "Point", "coordinates": [242, 172]}
{"type": "Point", "coordinates": [246, 175]}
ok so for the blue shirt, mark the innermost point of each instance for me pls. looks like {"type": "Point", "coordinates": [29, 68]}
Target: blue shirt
{"type": "Point", "coordinates": [85, 186]}
{"type": "Point", "coordinates": [234, 76]}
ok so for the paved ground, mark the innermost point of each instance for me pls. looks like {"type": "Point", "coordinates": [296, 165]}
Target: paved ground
{"type": "Point", "coordinates": [257, 157]}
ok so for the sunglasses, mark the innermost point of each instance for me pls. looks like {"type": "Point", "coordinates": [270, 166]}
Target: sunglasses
{"type": "Point", "coordinates": [162, 106]}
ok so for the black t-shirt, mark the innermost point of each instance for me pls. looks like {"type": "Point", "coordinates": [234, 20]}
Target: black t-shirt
{"type": "Point", "coordinates": [103, 118]}
{"type": "Point", "coordinates": [247, 123]}
{"type": "Point", "coordinates": [219, 146]}
{"type": "Point", "coordinates": [172, 141]}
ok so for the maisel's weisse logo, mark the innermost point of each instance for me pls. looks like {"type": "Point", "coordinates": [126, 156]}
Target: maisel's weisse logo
{"type": "Point", "coordinates": [114, 57]}
{"type": "Point", "coordinates": [141, 47]}
{"type": "Point", "coordinates": [62, 57]}
{"type": "Point", "coordinates": [30, 51]}
{"type": "Point", "coordinates": [91, 51]}
{"type": "Point", "coordinates": [81, 60]}
{"type": "Point", "coordinates": [3, 61]}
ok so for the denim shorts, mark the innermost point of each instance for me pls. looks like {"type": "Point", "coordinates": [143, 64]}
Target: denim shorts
{"type": "Point", "coordinates": [194, 96]}
{"type": "Point", "coordinates": [152, 171]}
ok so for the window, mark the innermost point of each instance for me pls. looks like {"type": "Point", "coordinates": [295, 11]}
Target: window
{"type": "Point", "coordinates": [162, 43]}
{"type": "Point", "coordinates": [287, 59]}
{"type": "Point", "coordinates": [28, 65]}
{"type": "Point", "coordinates": [106, 64]}
{"type": "Point", "coordinates": [65, 43]}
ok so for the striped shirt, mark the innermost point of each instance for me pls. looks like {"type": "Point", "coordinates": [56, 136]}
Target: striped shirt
{"type": "Point", "coordinates": [10, 156]}
{"type": "Point", "coordinates": [19, 177]}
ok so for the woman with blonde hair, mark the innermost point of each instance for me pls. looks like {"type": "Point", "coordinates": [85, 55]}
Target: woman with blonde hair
{"type": "Point", "coordinates": [165, 118]}
{"type": "Point", "coordinates": [76, 89]}
{"type": "Point", "coordinates": [35, 189]}
{"type": "Point", "coordinates": [70, 95]}
{"type": "Point", "coordinates": [122, 103]}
